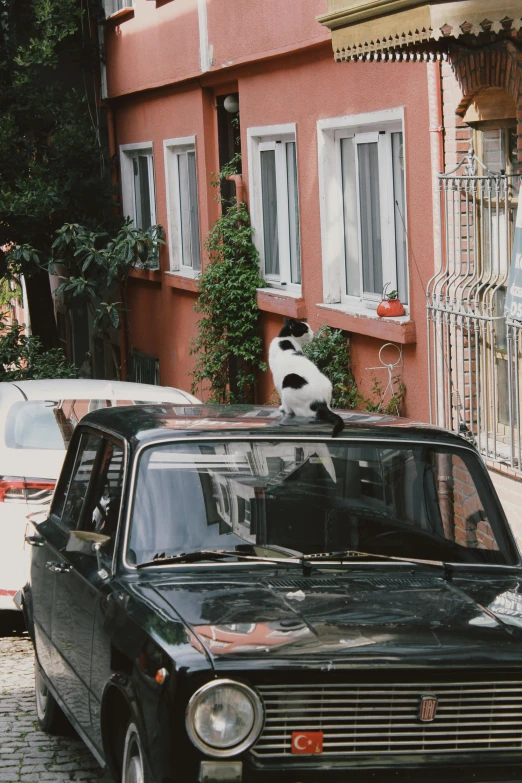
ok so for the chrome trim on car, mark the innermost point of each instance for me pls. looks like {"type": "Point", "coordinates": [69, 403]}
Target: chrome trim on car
{"type": "Point", "coordinates": [253, 735]}
{"type": "Point", "coordinates": [382, 719]}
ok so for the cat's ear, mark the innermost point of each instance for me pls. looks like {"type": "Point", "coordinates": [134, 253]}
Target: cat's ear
{"type": "Point", "coordinates": [287, 321]}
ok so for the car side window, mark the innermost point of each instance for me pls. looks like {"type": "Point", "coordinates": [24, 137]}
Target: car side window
{"type": "Point", "coordinates": [103, 504]}
{"type": "Point", "coordinates": [81, 477]}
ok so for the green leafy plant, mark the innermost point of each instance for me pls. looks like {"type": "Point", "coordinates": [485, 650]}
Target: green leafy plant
{"type": "Point", "coordinates": [96, 266]}
{"type": "Point", "coordinates": [24, 358]}
{"type": "Point", "coordinates": [377, 404]}
{"type": "Point", "coordinates": [228, 347]}
{"type": "Point", "coordinates": [330, 351]}
{"type": "Point", "coordinates": [9, 289]}
{"type": "Point", "coordinates": [55, 164]}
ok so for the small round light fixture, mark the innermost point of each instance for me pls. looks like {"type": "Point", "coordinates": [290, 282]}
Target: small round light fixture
{"type": "Point", "coordinates": [231, 104]}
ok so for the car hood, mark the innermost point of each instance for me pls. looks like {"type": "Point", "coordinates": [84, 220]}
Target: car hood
{"type": "Point", "coordinates": [403, 620]}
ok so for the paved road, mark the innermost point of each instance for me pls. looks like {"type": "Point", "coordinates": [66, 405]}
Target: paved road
{"type": "Point", "coordinates": [27, 755]}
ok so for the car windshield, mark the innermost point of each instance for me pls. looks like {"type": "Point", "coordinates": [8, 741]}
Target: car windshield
{"type": "Point", "coordinates": [402, 500]}
{"type": "Point", "coordinates": [49, 424]}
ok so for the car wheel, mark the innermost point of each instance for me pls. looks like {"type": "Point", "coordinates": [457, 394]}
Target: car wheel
{"type": "Point", "coordinates": [134, 767]}
{"type": "Point", "coordinates": [50, 716]}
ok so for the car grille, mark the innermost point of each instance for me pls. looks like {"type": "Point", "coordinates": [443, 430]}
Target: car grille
{"type": "Point", "coordinates": [380, 719]}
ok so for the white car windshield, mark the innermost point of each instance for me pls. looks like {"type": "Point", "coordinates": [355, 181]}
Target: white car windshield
{"type": "Point", "coordinates": [49, 424]}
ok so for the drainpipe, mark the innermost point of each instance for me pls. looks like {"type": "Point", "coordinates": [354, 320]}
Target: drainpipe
{"type": "Point", "coordinates": [111, 130]}
{"type": "Point", "coordinates": [435, 351]}
{"type": "Point", "coordinates": [237, 179]}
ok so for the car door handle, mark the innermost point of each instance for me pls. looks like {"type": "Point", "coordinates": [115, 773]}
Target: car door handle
{"type": "Point", "coordinates": [35, 540]}
{"type": "Point", "coordinates": [59, 568]}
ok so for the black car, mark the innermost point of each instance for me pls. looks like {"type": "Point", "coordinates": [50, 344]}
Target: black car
{"type": "Point", "coordinates": [225, 594]}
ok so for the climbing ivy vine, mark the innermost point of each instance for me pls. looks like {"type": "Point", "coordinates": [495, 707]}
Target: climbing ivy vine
{"type": "Point", "coordinates": [228, 347]}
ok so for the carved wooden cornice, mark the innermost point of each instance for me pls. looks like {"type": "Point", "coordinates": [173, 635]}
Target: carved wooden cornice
{"type": "Point", "coordinates": [369, 27]}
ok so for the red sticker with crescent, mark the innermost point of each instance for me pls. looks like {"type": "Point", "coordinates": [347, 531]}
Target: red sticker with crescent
{"type": "Point", "coordinates": [308, 742]}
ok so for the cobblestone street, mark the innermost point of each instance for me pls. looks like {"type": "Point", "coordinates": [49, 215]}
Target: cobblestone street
{"type": "Point", "coordinates": [27, 754]}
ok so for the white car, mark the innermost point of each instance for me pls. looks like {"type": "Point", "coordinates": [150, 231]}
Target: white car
{"type": "Point", "coordinates": [36, 422]}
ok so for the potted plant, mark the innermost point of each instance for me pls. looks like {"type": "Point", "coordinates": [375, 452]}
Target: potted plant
{"type": "Point", "coordinates": [390, 305]}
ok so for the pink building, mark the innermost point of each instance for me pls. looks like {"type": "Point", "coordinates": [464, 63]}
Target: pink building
{"type": "Point", "coordinates": [336, 168]}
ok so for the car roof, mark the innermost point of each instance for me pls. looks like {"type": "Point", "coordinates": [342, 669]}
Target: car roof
{"type": "Point", "coordinates": [91, 389]}
{"type": "Point", "coordinates": [147, 423]}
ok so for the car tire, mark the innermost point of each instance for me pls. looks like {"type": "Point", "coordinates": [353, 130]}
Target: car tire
{"type": "Point", "coordinates": [50, 716]}
{"type": "Point", "coordinates": [134, 768]}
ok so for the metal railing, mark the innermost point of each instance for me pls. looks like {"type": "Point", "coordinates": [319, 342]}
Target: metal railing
{"type": "Point", "coordinates": [143, 368]}
{"type": "Point", "coordinates": [475, 354]}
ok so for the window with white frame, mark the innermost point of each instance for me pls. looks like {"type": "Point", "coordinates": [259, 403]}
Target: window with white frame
{"type": "Point", "coordinates": [137, 184]}
{"type": "Point", "coordinates": [113, 6]}
{"type": "Point", "coordinates": [363, 208]}
{"type": "Point", "coordinates": [182, 205]}
{"type": "Point", "coordinates": [275, 203]}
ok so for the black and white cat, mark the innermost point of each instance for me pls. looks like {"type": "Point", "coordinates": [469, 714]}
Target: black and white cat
{"type": "Point", "coordinates": [302, 387]}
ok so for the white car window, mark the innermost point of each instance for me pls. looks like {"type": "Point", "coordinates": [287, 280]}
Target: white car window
{"type": "Point", "coordinates": [49, 424]}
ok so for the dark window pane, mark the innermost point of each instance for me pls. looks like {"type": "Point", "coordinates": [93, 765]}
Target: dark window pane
{"type": "Point", "coordinates": [142, 192]}
{"type": "Point", "coordinates": [193, 211]}
{"type": "Point", "coordinates": [399, 205]}
{"type": "Point", "coordinates": [370, 214]}
{"type": "Point", "coordinates": [82, 474]}
{"type": "Point", "coordinates": [293, 213]}
{"type": "Point", "coordinates": [104, 501]}
{"type": "Point", "coordinates": [269, 198]}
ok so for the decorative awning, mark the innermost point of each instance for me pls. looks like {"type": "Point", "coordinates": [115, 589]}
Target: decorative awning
{"type": "Point", "coordinates": [370, 27]}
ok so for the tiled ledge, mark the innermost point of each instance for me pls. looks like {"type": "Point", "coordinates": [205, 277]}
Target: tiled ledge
{"type": "Point", "coordinates": [181, 281]}
{"type": "Point", "coordinates": [397, 330]}
{"type": "Point", "coordinates": [271, 300]}
{"type": "Point", "coordinates": [152, 275]}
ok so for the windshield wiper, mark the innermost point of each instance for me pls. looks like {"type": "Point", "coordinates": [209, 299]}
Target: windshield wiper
{"type": "Point", "coordinates": [211, 554]}
{"type": "Point", "coordinates": [353, 554]}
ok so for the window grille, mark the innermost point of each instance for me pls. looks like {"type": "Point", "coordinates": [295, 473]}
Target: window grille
{"type": "Point", "coordinates": [143, 368]}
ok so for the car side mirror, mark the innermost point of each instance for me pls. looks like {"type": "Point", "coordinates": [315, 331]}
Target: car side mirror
{"type": "Point", "coordinates": [89, 543]}
{"type": "Point", "coordinates": [102, 572]}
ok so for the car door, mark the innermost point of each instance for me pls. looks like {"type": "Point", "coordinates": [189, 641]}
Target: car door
{"type": "Point", "coordinates": [91, 515]}
{"type": "Point", "coordinates": [74, 592]}
{"type": "Point", "coordinates": [45, 538]}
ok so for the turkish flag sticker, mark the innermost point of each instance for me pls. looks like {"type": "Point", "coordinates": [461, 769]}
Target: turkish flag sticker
{"type": "Point", "coordinates": [308, 742]}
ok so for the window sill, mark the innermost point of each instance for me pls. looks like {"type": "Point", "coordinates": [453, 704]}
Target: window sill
{"type": "Point", "coordinates": [340, 316]}
{"type": "Point", "coordinates": [152, 275]}
{"type": "Point", "coordinates": [185, 282]}
{"type": "Point", "coordinates": [289, 303]}
{"type": "Point", "coordinates": [119, 16]}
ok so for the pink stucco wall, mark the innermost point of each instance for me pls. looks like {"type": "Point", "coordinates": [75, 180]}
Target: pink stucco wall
{"type": "Point", "coordinates": [299, 86]}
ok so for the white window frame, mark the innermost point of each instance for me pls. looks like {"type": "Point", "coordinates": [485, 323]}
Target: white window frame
{"type": "Point", "coordinates": [115, 6]}
{"type": "Point", "coordinates": [260, 139]}
{"type": "Point", "coordinates": [128, 194]}
{"type": "Point", "coordinates": [172, 149]}
{"type": "Point", "coordinates": [363, 128]}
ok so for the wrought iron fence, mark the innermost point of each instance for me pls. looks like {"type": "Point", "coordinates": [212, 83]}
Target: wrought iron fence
{"type": "Point", "coordinates": [475, 354]}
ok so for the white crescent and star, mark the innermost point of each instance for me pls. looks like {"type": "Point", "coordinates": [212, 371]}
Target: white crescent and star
{"type": "Point", "coordinates": [298, 739]}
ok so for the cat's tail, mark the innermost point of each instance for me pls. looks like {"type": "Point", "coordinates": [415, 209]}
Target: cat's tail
{"type": "Point", "coordinates": [323, 413]}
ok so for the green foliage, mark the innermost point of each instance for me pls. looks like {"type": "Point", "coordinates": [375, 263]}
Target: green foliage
{"type": "Point", "coordinates": [229, 346]}
{"type": "Point", "coordinates": [9, 290]}
{"type": "Point", "coordinates": [54, 162]}
{"type": "Point", "coordinates": [377, 404]}
{"type": "Point", "coordinates": [95, 266]}
{"type": "Point", "coordinates": [330, 351]}
{"type": "Point", "coordinates": [22, 358]}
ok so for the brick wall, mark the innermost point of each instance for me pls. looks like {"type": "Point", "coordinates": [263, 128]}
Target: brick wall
{"type": "Point", "coordinates": [463, 76]}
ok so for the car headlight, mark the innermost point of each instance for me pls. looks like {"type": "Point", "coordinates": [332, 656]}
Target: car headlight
{"type": "Point", "coordinates": [224, 718]}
